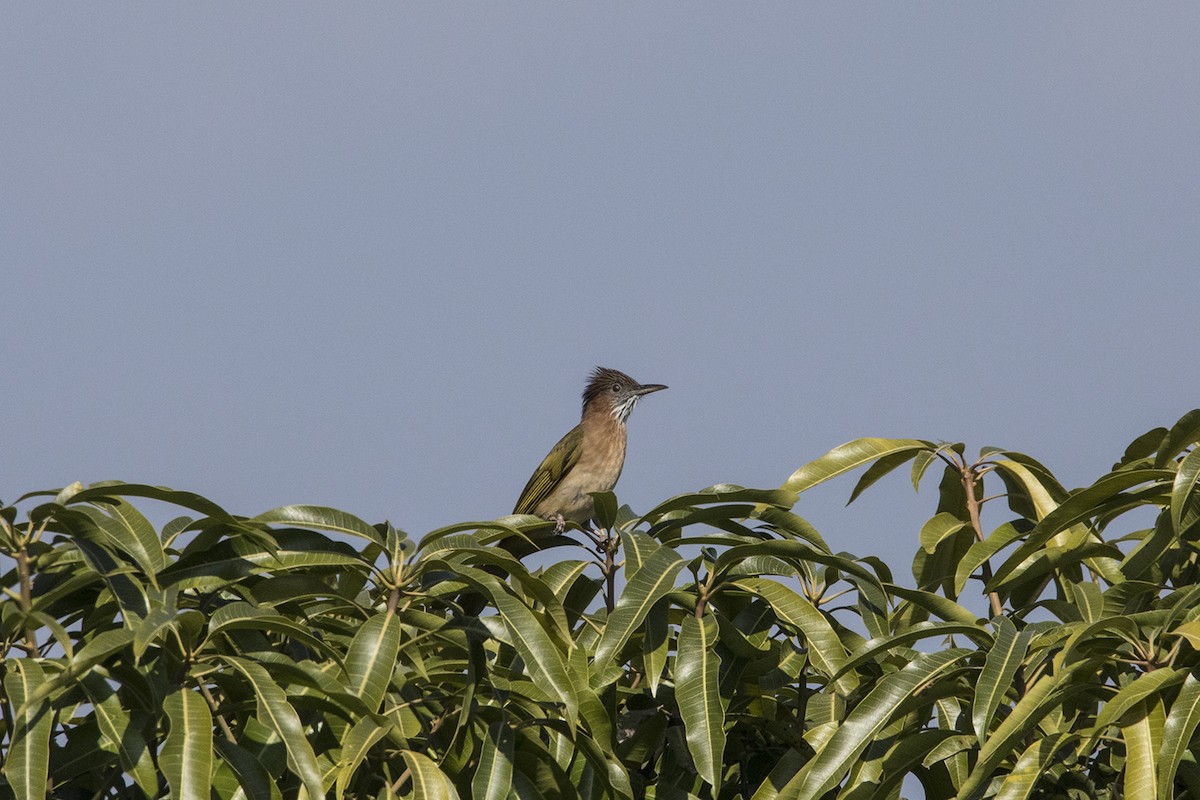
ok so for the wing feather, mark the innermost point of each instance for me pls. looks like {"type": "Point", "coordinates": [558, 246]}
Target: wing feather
{"type": "Point", "coordinates": [554, 466]}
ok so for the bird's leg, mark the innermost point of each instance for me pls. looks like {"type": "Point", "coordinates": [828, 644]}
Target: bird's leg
{"type": "Point", "coordinates": [560, 524]}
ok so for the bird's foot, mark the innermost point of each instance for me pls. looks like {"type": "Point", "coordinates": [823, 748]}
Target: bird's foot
{"type": "Point", "coordinates": [560, 524]}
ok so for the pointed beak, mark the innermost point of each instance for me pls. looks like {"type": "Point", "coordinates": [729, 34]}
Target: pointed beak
{"type": "Point", "coordinates": [647, 388]}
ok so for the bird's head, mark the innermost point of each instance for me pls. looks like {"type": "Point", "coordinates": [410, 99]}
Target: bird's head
{"type": "Point", "coordinates": [612, 392]}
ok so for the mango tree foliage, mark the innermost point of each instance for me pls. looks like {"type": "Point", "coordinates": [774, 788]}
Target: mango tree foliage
{"type": "Point", "coordinates": [1046, 644]}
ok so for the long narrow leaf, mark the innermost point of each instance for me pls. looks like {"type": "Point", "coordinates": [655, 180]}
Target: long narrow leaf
{"type": "Point", "coordinates": [649, 584]}
{"type": "Point", "coordinates": [187, 752]}
{"type": "Point", "coordinates": [995, 679]}
{"type": "Point", "coordinates": [27, 762]}
{"type": "Point", "coordinates": [863, 724]}
{"type": "Point", "coordinates": [122, 731]}
{"type": "Point", "coordinates": [372, 656]}
{"type": "Point", "coordinates": [1180, 726]}
{"type": "Point", "coordinates": [1140, 773]}
{"type": "Point", "coordinates": [700, 702]}
{"type": "Point", "coordinates": [849, 456]}
{"type": "Point", "coordinates": [825, 648]}
{"type": "Point", "coordinates": [329, 519]}
{"type": "Point", "coordinates": [1184, 487]}
{"type": "Point", "coordinates": [544, 657]}
{"type": "Point", "coordinates": [1183, 433]}
{"type": "Point", "coordinates": [1032, 764]}
{"type": "Point", "coordinates": [1037, 701]}
{"type": "Point", "coordinates": [277, 713]}
{"type": "Point", "coordinates": [356, 744]}
{"type": "Point", "coordinates": [493, 776]}
{"type": "Point", "coordinates": [429, 782]}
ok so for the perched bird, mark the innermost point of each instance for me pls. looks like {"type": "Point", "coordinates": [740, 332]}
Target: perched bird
{"type": "Point", "coordinates": [590, 457]}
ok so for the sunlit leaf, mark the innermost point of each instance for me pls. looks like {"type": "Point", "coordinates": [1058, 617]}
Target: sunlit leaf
{"type": "Point", "coordinates": [1182, 434]}
{"type": "Point", "coordinates": [700, 702]}
{"type": "Point", "coordinates": [429, 782]}
{"type": "Point", "coordinates": [493, 776]}
{"type": "Point", "coordinates": [186, 757]}
{"type": "Point", "coordinates": [277, 713]}
{"type": "Point", "coordinates": [849, 456]}
{"type": "Point", "coordinates": [995, 679]}
{"type": "Point", "coordinates": [371, 657]}
{"type": "Point", "coordinates": [648, 585]}
{"type": "Point", "coordinates": [321, 517]}
{"type": "Point", "coordinates": [27, 761]}
{"type": "Point", "coordinates": [860, 727]}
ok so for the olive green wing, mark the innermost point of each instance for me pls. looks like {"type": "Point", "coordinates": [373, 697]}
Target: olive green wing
{"type": "Point", "coordinates": [554, 466]}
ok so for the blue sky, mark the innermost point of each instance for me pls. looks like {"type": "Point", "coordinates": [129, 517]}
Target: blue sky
{"type": "Point", "coordinates": [365, 256]}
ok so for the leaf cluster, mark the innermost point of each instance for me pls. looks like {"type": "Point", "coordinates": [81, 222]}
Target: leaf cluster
{"type": "Point", "coordinates": [712, 647]}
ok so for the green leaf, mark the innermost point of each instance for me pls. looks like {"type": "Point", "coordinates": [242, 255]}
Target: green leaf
{"type": "Point", "coordinates": [254, 782]}
{"type": "Point", "coordinates": [979, 552]}
{"type": "Point", "coordinates": [493, 776]}
{"type": "Point", "coordinates": [825, 648]}
{"type": "Point", "coordinates": [656, 642]}
{"type": "Point", "coordinates": [243, 616]}
{"type": "Point", "coordinates": [100, 491]}
{"type": "Point", "coordinates": [1178, 731]}
{"type": "Point", "coordinates": [1037, 701]}
{"type": "Point", "coordinates": [912, 634]}
{"type": "Point", "coordinates": [277, 713]}
{"type": "Point", "coordinates": [1080, 506]}
{"type": "Point", "coordinates": [921, 463]}
{"type": "Point", "coordinates": [863, 725]}
{"type": "Point", "coordinates": [356, 744]}
{"type": "Point", "coordinates": [1146, 686]}
{"type": "Point", "coordinates": [118, 726]}
{"type": "Point", "coordinates": [323, 518]}
{"type": "Point", "coordinates": [1140, 772]}
{"type": "Point", "coordinates": [1032, 764]}
{"type": "Point", "coordinates": [1039, 495]}
{"type": "Point", "coordinates": [606, 509]}
{"type": "Point", "coordinates": [27, 762]}
{"type": "Point", "coordinates": [934, 603]}
{"type": "Point", "coordinates": [371, 658]}
{"type": "Point", "coordinates": [722, 493]}
{"type": "Point", "coordinates": [429, 782]}
{"type": "Point", "coordinates": [995, 679]}
{"type": "Point", "coordinates": [1183, 434]}
{"type": "Point", "coordinates": [700, 702]}
{"type": "Point", "coordinates": [850, 456]}
{"type": "Point", "coordinates": [545, 660]}
{"type": "Point", "coordinates": [647, 586]}
{"type": "Point", "coordinates": [187, 753]}
{"type": "Point", "coordinates": [938, 527]}
{"type": "Point", "coordinates": [1184, 487]}
{"type": "Point", "coordinates": [880, 468]}
{"type": "Point", "coordinates": [130, 532]}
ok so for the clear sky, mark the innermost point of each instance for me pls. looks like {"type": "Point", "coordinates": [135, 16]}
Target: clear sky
{"type": "Point", "coordinates": [366, 255]}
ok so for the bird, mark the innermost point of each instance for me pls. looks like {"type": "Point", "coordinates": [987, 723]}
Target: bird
{"type": "Point", "coordinates": [590, 457]}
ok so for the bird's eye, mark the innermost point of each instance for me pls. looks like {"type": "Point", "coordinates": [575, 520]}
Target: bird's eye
{"type": "Point", "coordinates": [616, 387]}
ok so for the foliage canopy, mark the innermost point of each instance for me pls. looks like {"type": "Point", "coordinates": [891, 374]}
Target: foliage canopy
{"type": "Point", "coordinates": [715, 647]}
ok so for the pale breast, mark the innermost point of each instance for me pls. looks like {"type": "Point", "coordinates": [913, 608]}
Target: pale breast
{"type": "Point", "coordinates": [597, 470]}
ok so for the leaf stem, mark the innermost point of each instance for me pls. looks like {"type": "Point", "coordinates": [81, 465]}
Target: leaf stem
{"type": "Point", "coordinates": [969, 474]}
